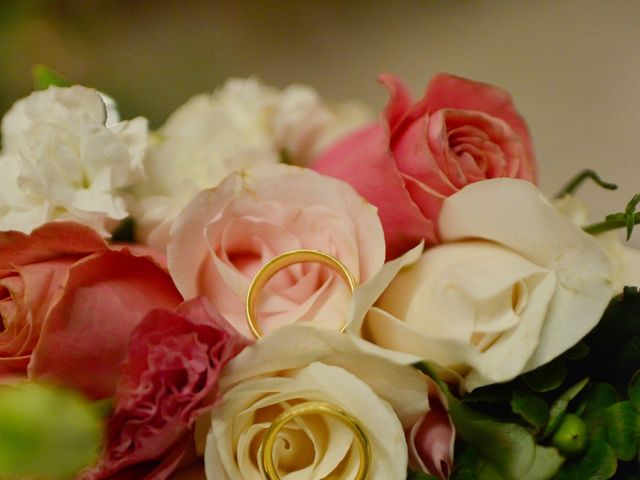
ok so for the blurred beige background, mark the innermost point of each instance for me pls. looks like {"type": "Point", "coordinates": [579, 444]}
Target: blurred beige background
{"type": "Point", "coordinates": [572, 66]}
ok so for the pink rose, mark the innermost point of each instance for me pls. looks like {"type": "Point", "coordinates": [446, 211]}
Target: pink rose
{"type": "Point", "coordinates": [68, 303]}
{"type": "Point", "coordinates": [169, 377]}
{"type": "Point", "coordinates": [431, 439]}
{"type": "Point", "coordinates": [223, 237]}
{"type": "Point", "coordinates": [420, 153]}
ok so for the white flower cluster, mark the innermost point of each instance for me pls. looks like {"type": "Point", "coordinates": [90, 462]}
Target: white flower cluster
{"type": "Point", "coordinates": [62, 160]}
{"type": "Point", "coordinates": [244, 123]}
{"type": "Point", "coordinates": [66, 155]}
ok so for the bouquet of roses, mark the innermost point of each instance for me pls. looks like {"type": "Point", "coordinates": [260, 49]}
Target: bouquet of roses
{"type": "Point", "coordinates": [274, 287]}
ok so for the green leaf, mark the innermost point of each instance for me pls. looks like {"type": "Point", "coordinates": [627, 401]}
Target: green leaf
{"type": "Point", "coordinates": [546, 464]}
{"type": "Point", "coordinates": [623, 429]}
{"type": "Point", "coordinates": [44, 77]}
{"type": "Point", "coordinates": [508, 447]}
{"type": "Point", "coordinates": [413, 475]}
{"type": "Point", "coordinates": [496, 393]}
{"type": "Point", "coordinates": [559, 407]}
{"type": "Point", "coordinates": [548, 377]}
{"type": "Point", "coordinates": [599, 397]}
{"type": "Point", "coordinates": [615, 342]}
{"type": "Point", "coordinates": [46, 432]}
{"type": "Point", "coordinates": [531, 408]}
{"type": "Point", "coordinates": [598, 463]}
{"type": "Point", "coordinates": [578, 351]}
{"type": "Point", "coordinates": [471, 466]}
{"type": "Point", "coordinates": [633, 390]}
{"type": "Point", "coordinates": [629, 211]}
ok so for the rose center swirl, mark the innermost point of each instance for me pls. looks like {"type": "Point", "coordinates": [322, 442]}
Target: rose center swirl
{"type": "Point", "coordinates": [361, 437]}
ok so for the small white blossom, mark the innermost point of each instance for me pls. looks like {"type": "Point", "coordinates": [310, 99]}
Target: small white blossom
{"type": "Point", "coordinates": [244, 123]}
{"type": "Point", "coordinates": [63, 162]}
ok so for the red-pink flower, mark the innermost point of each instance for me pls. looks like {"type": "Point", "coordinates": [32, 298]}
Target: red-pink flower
{"type": "Point", "coordinates": [420, 153]}
{"type": "Point", "coordinates": [169, 377]}
{"type": "Point", "coordinates": [432, 438]}
{"type": "Point", "coordinates": [68, 303]}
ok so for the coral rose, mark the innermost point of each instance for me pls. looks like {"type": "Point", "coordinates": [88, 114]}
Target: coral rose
{"type": "Point", "coordinates": [419, 154]}
{"type": "Point", "coordinates": [68, 299]}
{"type": "Point", "coordinates": [170, 376]}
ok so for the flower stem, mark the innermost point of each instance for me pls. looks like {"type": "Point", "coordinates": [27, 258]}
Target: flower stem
{"type": "Point", "coordinates": [576, 181]}
{"type": "Point", "coordinates": [610, 224]}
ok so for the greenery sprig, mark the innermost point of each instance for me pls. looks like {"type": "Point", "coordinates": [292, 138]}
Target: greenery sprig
{"type": "Point", "coordinates": [579, 179]}
{"type": "Point", "coordinates": [627, 219]}
{"type": "Point", "coordinates": [575, 418]}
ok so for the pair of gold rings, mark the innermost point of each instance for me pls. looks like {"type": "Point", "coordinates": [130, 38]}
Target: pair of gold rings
{"type": "Point", "coordinates": [308, 408]}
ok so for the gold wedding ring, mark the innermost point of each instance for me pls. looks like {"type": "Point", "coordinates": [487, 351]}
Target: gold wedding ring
{"type": "Point", "coordinates": [314, 408]}
{"type": "Point", "coordinates": [284, 260]}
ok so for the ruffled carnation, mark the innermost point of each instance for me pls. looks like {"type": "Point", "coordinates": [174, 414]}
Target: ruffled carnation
{"type": "Point", "coordinates": [169, 377]}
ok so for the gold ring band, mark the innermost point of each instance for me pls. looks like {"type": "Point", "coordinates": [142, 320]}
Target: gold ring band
{"type": "Point", "coordinates": [315, 408]}
{"type": "Point", "coordinates": [284, 260]}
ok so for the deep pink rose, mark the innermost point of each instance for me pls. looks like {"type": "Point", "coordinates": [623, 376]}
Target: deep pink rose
{"type": "Point", "coordinates": [432, 438]}
{"type": "Point", "coordinates": [169, 377]}
{"type": "Point", "coordinates": [69, 302]}
{"type": "Point", "coordinates": [420, 153]}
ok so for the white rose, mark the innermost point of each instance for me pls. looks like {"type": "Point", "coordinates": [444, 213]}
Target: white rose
{"type": "Point", "coordinates": [514, 285]}
{"type": "Point", "coordinates": [244, 123]}
{"type": "Point", "coordinates": [300, 363]}
{"type": "Point", "coordinates": [64, 163]}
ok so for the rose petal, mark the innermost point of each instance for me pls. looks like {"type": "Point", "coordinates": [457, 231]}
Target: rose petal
{"type": "Point", "coordinates": [105, 296]}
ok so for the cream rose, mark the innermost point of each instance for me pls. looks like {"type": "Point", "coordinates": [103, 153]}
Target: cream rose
{"type": "Point", "coordinates": [226, 234]}
{"type": "Point", "coordinates": [301, 363]}
{"type": "Point", "coordinates": [514, 285]}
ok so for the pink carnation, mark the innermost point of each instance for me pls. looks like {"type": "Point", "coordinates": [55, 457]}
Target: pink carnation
{"type": "Point", "coordinates": [169, 377]}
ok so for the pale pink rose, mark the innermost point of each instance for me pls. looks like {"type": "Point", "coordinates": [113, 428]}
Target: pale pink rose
{"type": "Point", "coordinates": [226, 234]}
{"type": "Point", "coordinates": [432, 438]}
{"type": "Point", "coordinates": [69, 302]}
{"type": "Point", "coordinates": [169, 377]}
{"type": "Point", "coordinates": [420, 153]}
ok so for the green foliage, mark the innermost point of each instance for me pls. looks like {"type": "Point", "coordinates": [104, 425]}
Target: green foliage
{"type": "Point", "coordinates": [634, 390]}
{"type": "Point", "coordinates": [559, 407]}
{"type": "Point", "coordinates": [533, 409]}
{"type": "Point", "coordinates": [548, 377]}
{"type": "Point", "coordinates": [413, 475]}
{"type": "Point", "coordinates": [44, 77]}
{"type": "Point", "coordinates": [598, 463]}
{"type": "Point", "coordinates": [577, 181]}
{"type": "Point", "coordinates": [575, 418]}
{"type": "Point", "coordinates": [46, 432]}
{"type": "Point", "coordinates": [623, 429]}
{"type": "Point", "coordinates": [615, 342]}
